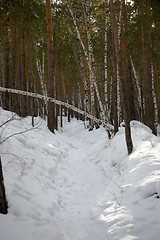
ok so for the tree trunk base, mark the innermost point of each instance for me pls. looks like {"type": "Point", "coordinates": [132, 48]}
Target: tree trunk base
{"type": "Point", "coordinates": [3, 201]}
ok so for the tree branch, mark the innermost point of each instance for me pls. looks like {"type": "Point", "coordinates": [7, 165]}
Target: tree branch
{"type": "Point", "coordinates": [14, 134]}
{"type": "Point", "coordinates": [10, 119]}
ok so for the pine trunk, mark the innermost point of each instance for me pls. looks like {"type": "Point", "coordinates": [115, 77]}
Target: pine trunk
{"type": "Point", "coordinates": [3, 201]}
{"type": "Point", "coordinates": [51, 107]}
{"type": "Point", "coordinates": [22, 61]}
{"type": "Point", "coordinates": [5, 63]}
{"type": "Point", "coordinates": [121, 81]}
{"type": "Point", "coordinates": [149, 104]}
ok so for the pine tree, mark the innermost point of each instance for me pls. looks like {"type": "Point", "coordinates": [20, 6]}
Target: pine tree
{"type": "Point", "coordinates": [121, 81]}
{"type": "Point", "coordinates": [50, 87]}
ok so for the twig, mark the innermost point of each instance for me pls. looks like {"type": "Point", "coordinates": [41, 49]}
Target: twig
{"type": "Point", "coordinates": [14, 134]}
{"type": "Point", "coordinates": [115, 197]}
{"type": "Point", "coordinates": [118, 186]}
{"type": "Point", "coordinates": [10, 119]}
{"type": "Point", "coordinates": [22, 161]}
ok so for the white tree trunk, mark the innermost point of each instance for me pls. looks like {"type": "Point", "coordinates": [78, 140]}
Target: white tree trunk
{"type": "Point", "coordinates": [40, 68]}
{"type": "Point", "coordinates": [105, 59]}
{"type": "Point", "coordinates": [108, 126]}
{"type": "Point", "coordinates": [137, 82]}
{"type": "Point", "coordinates": [90, 62]}
{"type": "Point", "coordinates": [118, 77]}
{"type": "Point", "coordinates": [154, 95]}
{"type": "Point", "coordinates": [85, 84]}
{"type": "Point", "coordinates": [119, 22]}
{"type": "Point", "coordinates": [91, 57]}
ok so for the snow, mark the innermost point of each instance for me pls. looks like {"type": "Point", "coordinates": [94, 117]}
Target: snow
{"type": "Point", "coordinates": [79, 185]}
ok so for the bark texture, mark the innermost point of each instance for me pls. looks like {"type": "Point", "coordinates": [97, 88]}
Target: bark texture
{"type": "Point", "coordinates": [50, 90]}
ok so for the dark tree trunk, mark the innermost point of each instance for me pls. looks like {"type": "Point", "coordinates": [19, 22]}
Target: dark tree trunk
{"type": "Point", "coordinates": [121, 80]}
{"type": "Point", "coordinates": [13, 52]}
{"type": "Point", "coordinates": [3, 201]}
{"type": "Point", "coordinates": [51, 107]}
{"type": "Point", "coordinates": [22, 62]}
{"type": "Point", "coordinates": [126, 68]}
{"type": "Point", "coordinates": [114, 80]}
{"type": "Point", "coordinates": [146, 24]}
{"type": "Point", "coordinates": [149, 104]}
{"type": "Point", "coordinates": [5, 65]}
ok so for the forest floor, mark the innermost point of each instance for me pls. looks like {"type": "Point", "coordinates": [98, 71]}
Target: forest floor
{"type": "Point", "coordinates": [79, 185]}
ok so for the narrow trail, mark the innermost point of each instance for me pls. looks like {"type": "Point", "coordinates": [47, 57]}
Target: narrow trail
{"type": "Point", "coordinates": [81, 184]}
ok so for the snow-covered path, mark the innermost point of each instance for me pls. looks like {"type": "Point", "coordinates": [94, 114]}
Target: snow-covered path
{"type": "Point", "coordinates": [81, 183]}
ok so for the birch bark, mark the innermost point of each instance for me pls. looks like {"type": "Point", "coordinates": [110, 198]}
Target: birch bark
{"type": "Point", "coordinates": [106, 58]}
{"type": "Point", "coordinates": [108, 126]}
{"type": "Point", "coordinates": [85, 84]}
{"type": "Point", "coordinates": [90, 62]}
{"type": "Point", "coordinates": [91, 59]}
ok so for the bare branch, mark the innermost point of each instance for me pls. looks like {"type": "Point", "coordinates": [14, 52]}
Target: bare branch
{"type": "Point", "coordinates": [9, 120]}
{"type": "Point", "coordinates": [21, 161]}
{"type": "Point", "coordinates": [14, 134]}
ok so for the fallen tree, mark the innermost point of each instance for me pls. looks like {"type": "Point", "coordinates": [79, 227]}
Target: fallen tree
{"type": "Point", "coordinates": [107, 126]}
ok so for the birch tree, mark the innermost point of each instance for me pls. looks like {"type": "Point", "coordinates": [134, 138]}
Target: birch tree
{"type": "Point", "coordinates": [105, 57]}
{"type": "Point", "coordinates": [78, 57]}
{"type": "Point", "coordinates": [89, 58]}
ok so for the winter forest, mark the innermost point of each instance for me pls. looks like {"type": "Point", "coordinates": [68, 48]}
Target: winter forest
{"type": "Point", "coordinates": [79, 119]}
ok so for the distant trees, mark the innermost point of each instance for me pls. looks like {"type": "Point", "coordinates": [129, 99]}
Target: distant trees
{"type": "Point", "coordinates": [18, 20]}
{"type": "Point", "coordinates": [100, 56]}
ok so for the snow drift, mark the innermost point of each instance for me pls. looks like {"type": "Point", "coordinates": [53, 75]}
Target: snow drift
{"type": "Point", "coordinates": [78, 185]}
